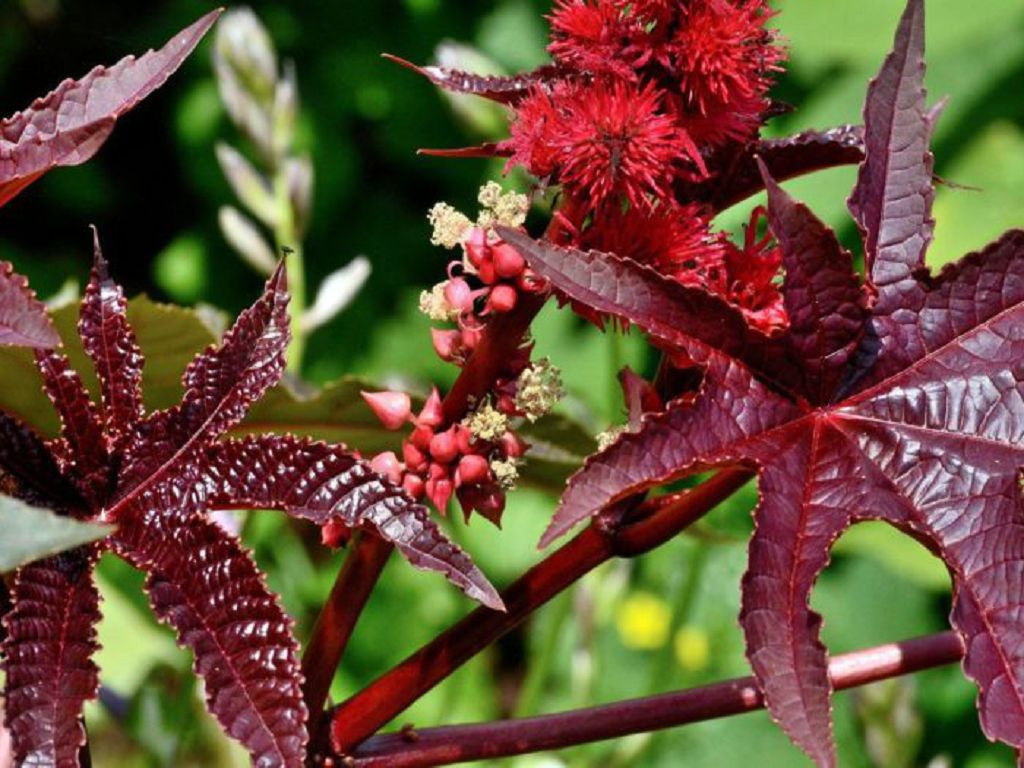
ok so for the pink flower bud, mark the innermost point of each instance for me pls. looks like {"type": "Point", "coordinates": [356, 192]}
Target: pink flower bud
{"type": "Point", "coordinates": [472, 470]}
{"type": "Point", "coordinates": [432, 414]}
{"type": "Point", "coordinates": [492, 504]}
{"type": "Point", "coordinates": [507, 261]}
{"type": "Point", "coordinates": [440, 493]}
{"type": "Point", "coordinates": [387, 465]}
{"type": "Point", "coordinates": [511, 445]}
{"type": "Point", "coordinates": [506, 404]}
{"type": "Point", "coordinates": [503, 298]}
{"type": "Point", "coordinates": [463, 439]}
{"type": "Point", "coordinates": [486, 271]}
{"type": "Point", "coordinates": [421, 437]}
{"type": "Point", "coordinates": [391, 408]}
{"type": "Point", "coordinates": [444, 447]}
{"type": "Point", "coordinates": [530, 282]}
{"type": "Point", "coordinates": [471, 338]}
{"type": "Point", "coordinates": [413, 485]}
{"type": "Point", "coordinates": [458, 293]}
{"type": "Point", "coordinates": [415, 459]}
{"type": "Point", "coordinates": [476, 247]}
{"type": "Point", "coordinates": [447, 344]}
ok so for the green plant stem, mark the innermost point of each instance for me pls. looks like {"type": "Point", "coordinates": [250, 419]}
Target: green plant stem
{"type": "Point", "coordinates": [462, 743]}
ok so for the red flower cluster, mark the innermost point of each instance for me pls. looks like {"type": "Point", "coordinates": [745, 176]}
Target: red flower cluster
{"type": "Point", "coordinates": [475, 459]}
{"type": "Point", "coordinates": [645, 90]}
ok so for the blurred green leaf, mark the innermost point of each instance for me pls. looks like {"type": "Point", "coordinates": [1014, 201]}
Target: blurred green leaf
{"type": "Point", "coordinates": [969, 219]}
{"type": "Point", "coordinates": [897, 552]}
{"type": "Point", "coordinates": [336, 414]}
{"type": "Point", "coordinates": [169, 336]}
{"type": "Point", "coordinates": [31, 533]}
{"type": "Point", "coordinates": [558, 446]}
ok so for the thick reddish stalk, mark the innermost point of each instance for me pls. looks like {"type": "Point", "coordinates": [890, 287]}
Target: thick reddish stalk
{"type": "Point", "coordinates": [373, 707]}
{"type": "Point", "coordinates": [461, 743]}
{"type": "Point", "coordinates": [504, 335]}
{"type": "Point", "coordinates": [334, 626]}
{"type": "Point", "coordinates": [368, 554]}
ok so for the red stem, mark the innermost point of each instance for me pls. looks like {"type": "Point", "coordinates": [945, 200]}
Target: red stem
{"type": "Point", "coordinates": [368, 554]}
{"type": "Point", "coordinates": [334, 626]}
{"type": "Point", "coordinates": [369, 710]}
{"type": "Point", "coordinates": [461, 743]}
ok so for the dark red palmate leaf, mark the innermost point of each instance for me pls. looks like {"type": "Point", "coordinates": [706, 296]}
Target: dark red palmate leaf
{"type": "Point", "coordinates": [220, 385]}
{"type": "Point", "coordinates": [202, 584]}
{"type": "Point", "coordinates": [51, 637]}
{"type": "Point", "coordinates": [81, 429]}
{"type": "Point", "coordinates": [321, 483]}
{"type": "Point", "coordinates": [922, 427]}
{"type": "Point", "coordinates": [23, 318]}
{"type": "Point", "coordinates": [110, 343]}
{"type": "Point", "coordinates": [824, 300]}
{"type": "Point", "coordinates": [173, 472]}
{"type": "Point", "coordinates": [69, 125]}
{"type": "Point", "coordinates": [508, 89]}
{"type": "Point", "coordinates": [32, 473]}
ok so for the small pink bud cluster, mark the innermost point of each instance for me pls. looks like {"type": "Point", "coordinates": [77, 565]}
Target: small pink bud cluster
{"type": "Point", "coordinates": [487, 281]}
{"type": "Point", "coordinates": [439, 460]}
{"type": "Point", "coordinates": [475, 460]}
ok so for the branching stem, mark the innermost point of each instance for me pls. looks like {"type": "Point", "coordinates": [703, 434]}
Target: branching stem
{"type": "Point", "coordinates": [461, 743]}
{"type": "Point", "coordinates": [373, 707]}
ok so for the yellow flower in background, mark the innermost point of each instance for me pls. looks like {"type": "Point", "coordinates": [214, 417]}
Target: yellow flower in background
{"type": "Point", "coordinates": [643, 621]}
{"type": "Point", "coordinates": [692, 648]}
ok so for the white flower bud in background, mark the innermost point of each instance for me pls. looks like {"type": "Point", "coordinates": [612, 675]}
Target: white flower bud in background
{"type": "Point", "coordinates": [251, 186]}
{"type": "Point", "coordinates": [247, 77]}
{"type": "Point", "coordinates": [336, 292]}
{"type": "Point", "coordinates": [243, 49]}
{"type": "Point", "coordinates": [300, 190]}
{"type": "Point", "coordinates": [244, 236]}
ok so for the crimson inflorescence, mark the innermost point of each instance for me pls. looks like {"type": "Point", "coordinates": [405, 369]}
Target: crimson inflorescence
{"type": "Point", "coordinates": [475, 459]}
{"type": "Point", "coordinates": [644, 94]}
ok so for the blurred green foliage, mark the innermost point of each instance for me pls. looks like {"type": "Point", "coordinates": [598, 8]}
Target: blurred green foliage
{"type": "Point", "coordinates": [154, 192]}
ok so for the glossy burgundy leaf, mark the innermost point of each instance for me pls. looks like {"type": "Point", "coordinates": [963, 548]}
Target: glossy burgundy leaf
{"type": "Point", "coordinates": [205, 586]}
{"type": "Point", "coordinates": [50, 674]}
{"type": "Point", "coordinates": [69, 125]}
{"type": "Point", "coordinates": [23, 318]}
{"type": "Point", "coordinates": [734, 174]}
{"type": "Point", "coordinates": [220, 385]}
{"type": "Point", "coordinates": [81, 428]}
{"type": "Point", "coordinates": [502, 89]}
{"type": "Point", "coordinates": [925, 431]}
{"type": "Point", "coordinates": [321, 483]}
{"type": "Point", "coordinates": [28, 470]}
{"type": "Point", "coordinates": [893, 198]}
{"type": "Point", "coordinates": [823, 297]}
{"type": "Point", "coordinates": [678, 317]}
{"type": "Point", "coordinates": [110, 343]}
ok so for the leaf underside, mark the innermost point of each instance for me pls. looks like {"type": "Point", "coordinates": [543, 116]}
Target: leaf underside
{"type": "Point", "coordinates": [23, 318]}
{"type": "Point", "coordinates": [69, 125]}
{"type": "Point", "coordinates": [900, 401]}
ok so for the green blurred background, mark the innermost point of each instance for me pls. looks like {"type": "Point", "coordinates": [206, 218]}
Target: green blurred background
{"type": "Point", "coordinates": [631, 628]}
